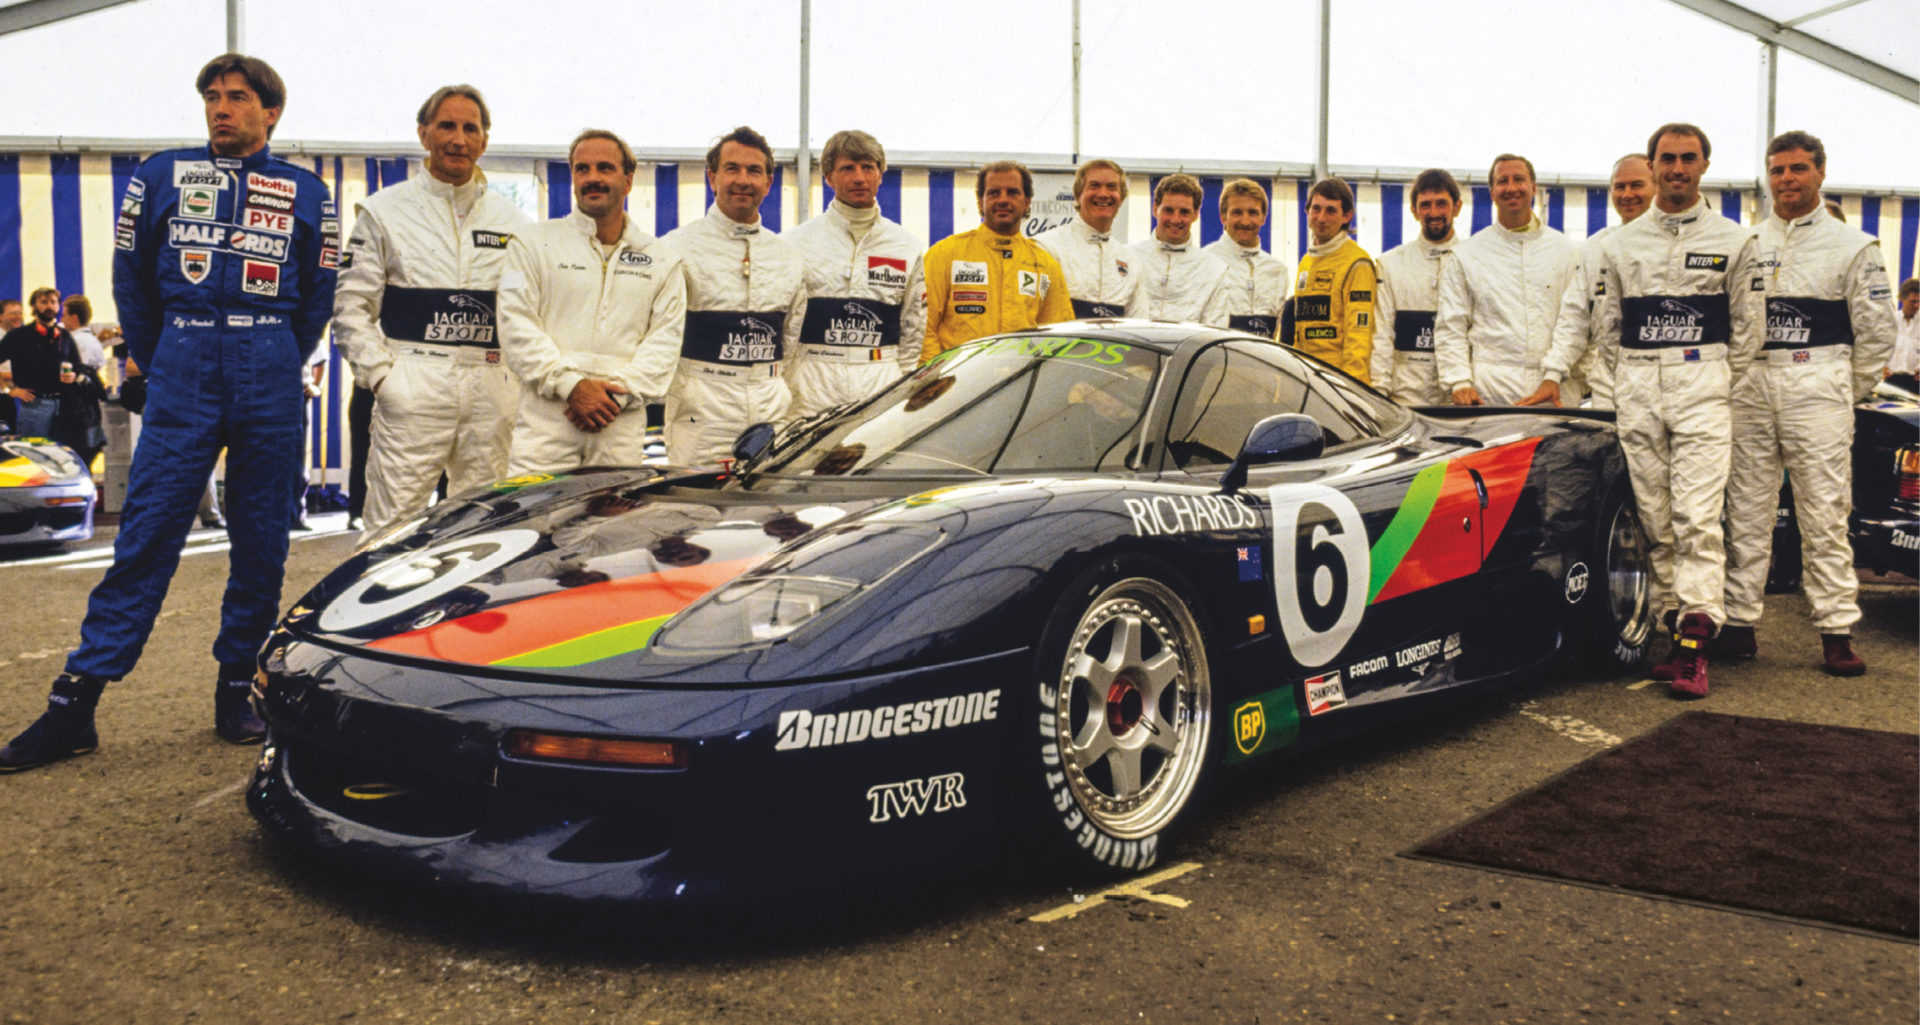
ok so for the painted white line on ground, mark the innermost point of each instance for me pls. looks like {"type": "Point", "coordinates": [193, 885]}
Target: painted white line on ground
{"type": "Point", "coordinates": [226, 791]}
{"type": "Point", "coordinates": [1567, 726]}
{"type": "Point", "coordinates": [1135, 888]}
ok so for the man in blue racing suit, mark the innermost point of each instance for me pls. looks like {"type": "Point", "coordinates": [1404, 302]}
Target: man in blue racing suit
{"type": "Point", "coordinates": [223, 274]}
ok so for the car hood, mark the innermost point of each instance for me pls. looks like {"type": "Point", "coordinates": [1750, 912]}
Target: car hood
{"type": "Point", "coordinates": [563, 575]}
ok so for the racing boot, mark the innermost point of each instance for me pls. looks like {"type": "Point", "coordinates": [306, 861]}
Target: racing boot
{"type": "Point", "coordinates": [65, 730]}
{"type": "Point", "coordinates": [1837, 653]}
{"type": "Point", "coordinates": [1734, 642]}
{"type": "Point", "coordinates": [1663, 669]}
{"type": "Point", "coordinates": [233, 716]}
{"type": "Point", "coordinates": [1690, 656]}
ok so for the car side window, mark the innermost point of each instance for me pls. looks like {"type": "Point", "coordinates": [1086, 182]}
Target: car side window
{"type": "Point", "coordinates": [1233, 385]}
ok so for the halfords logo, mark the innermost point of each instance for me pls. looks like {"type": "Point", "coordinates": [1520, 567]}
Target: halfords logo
{"type": "Point", "coordinates": [914, 797]}
{"type": "Point", "coordinates": [205, 235]}
{"type": "Point", "coordinates": [469, 321]}
{"type": "Point", "coordinates": [801, 728]}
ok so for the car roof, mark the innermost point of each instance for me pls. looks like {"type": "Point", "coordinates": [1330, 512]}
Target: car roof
{"type": "Point", "coordinates": [1165, 336]}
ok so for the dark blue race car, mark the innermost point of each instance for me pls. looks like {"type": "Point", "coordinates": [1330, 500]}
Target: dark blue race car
{"type": "Point", "coordinates": [1032, 599]}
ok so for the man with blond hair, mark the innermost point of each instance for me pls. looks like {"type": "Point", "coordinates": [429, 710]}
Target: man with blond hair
{"type": "Point", "coordinates": [1099, 271]}
{"type": "Point", "coordinates": [865, 294]}
{"type": "Point", "coordinates": [1178, 281]}
{"type": "Point", "coordinates": [992, 279]}
{"type": "Point", "coordinates": [415, 312]}
{"type": "Point", "coordinates": [1255, 285]}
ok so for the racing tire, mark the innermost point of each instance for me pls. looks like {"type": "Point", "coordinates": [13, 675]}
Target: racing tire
{"type": "Point", "coordinates": [1614, 620]}
{"type": "Point", "coordinates": [1122, 697]}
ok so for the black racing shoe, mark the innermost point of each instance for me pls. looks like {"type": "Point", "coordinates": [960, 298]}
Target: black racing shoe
{"type": "Point", "coordinates": [233, 716]}
{"type": "Point", "coordinates": [63, 731]}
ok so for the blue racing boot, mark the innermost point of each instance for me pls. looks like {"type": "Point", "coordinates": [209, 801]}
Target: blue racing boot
{"type": "Point", "coordinates": [65, 730]}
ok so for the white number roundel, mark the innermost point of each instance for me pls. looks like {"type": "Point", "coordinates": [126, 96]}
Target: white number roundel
{"type": "Point", "coordinates": [1320, 569]}
{"type": "Point", "coordinates": [408, 581]}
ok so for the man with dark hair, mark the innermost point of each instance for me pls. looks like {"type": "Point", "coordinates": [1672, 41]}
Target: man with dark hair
{"type": "Point", "coordinates": [1177, 280]}
{"type": "Point", "coordinates": [416, 318]}
{"type": "Point", "coordinates": [222, 299]}
{"type": "Point", "coordinates": [1403, 364]}
{"type": "Point", "coordinates": [591, 312]}
{"type": "Point", "coordinates": [1903, 367]}
{"type": "Point", "coordinates": [1500, 294]}
{"type": "Point", "coordinates": [992, 279]}
{"type": "Point", "coordinates": [746, 301]}
{"type": "Point", "coordinates": [1099, 275]}
{"type": "Point", "coordinates": [1255, 285]}
{"type": "Point", "coordinates": [41, 355]}
{"type": "Point", "coordinates": [866, 298]}
{"type": "Point", "coordinates": [77, 319]}
{"type": "Point", "coordinates": [1677, 295]}
{"type": "Point", "coordinates": [1332, 316]}
{"type": "Point", "coordinates": [1829, 330]}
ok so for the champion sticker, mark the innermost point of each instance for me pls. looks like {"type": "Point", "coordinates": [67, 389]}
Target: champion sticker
{"type": "Point", "coordinates": [1324, 693]}
{"type": "Point", "coordinates": [194, 265]}
{"type": "Point", "coordinates": [260, 278]}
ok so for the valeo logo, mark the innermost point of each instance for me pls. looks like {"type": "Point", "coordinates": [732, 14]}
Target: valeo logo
{"type": "Point", "coordinates": [1249, 726]}
{"type": "Point", "coordinates": [525, 480]}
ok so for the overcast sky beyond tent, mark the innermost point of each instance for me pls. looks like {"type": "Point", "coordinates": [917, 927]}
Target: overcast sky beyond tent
{"type": "Point", "coordinates": [1570, 85]}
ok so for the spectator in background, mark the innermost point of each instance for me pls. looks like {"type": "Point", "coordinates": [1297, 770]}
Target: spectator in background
{"type": "Point", "coordinates": [11, 315]}
{"type": "Point", "coordinates": [42, 356]}
{"type": "Point", "coordinates": [1332, 310]}
{"type": "Point", "coordinates": [1410, 293]}
{"type": "Point", "coordinates": [78, 322]}
{"type": "Point", "coordinates": [1256, 282]}
{"type": "Point", "coordinates": [1904, 367]}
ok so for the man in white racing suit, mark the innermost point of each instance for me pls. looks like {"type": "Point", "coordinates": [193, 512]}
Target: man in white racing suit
{"type": "Point", "coordinates": [746, 298]}
{"type": "Point", "coordinates": [1255, 285]}
{"type": "Point", "coordinates": [1678, 296]}
{"type": "Point", "coordinates": [1631, 192]}
{"type": "Point", "coordinates": [1829, 329]}
{"type": "Point", "coordinates": [414, 314]}
{"type": "Point", "coordinates": [864, 287]}
{"type": "Point", "coordinates": [1177, 279]}
{"type": "Point", "coordinates": [1499, 296]}
{"type": "Point", "coordinates": [1100, 277]}
{"type": "Point", "coordinates": [1409, 293]}
{"type": "Point", "coordinates": [591, 311]}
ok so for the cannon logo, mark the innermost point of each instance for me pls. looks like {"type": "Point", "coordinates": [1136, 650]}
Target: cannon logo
{"type": "Point", "coordinates": [754, 341]}
{"type": "Point", "coordinates": [916, 797]}
{"type": "Point", "coordinates": [260, 278]}
{"type": "Point", "coordinates": [1679, 323]}
{"type": "Point", "coordinates": [469, 322]}
{"type": "Point", "coordinates": [1787, 324]}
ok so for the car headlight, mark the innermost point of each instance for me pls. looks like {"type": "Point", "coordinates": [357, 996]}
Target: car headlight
{"type": "Point", "coordinates": [796, 587]}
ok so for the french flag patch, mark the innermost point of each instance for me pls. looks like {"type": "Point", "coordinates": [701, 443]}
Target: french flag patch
{"type": "Point", "coordinates": [1248, 559]}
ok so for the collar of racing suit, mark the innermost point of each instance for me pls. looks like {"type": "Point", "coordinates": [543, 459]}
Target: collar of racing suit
{"type": "Point", "coordinates": [859, 221]}
{"type": "Point", "coordinates": [1330, 246]}
{"type": "Point", "coordinates": [1673, 223]}
{"type": "Point", "coordinates": [729, 227]}
{"type": "Point", "coordinates": [629, 232]}
{"type": "Point", "coordinates": [462, 196]}
{"type": "Point", "coordinates": [1518, 235]}
{"type": "Point", "coordinates": [1173, 247]}
{"type": "Point", "coordinates": [1435, 250]}
{"type": "Point", "coordinates": [1088, 231]}
{"type": "Point", "coordinates": [240, 163]}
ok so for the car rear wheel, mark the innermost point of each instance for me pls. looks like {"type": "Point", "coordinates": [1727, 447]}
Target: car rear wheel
{"type": "Point", "coordinates": [1124, 702]}
{"type": "Point", "coordinates": [1616, 615]}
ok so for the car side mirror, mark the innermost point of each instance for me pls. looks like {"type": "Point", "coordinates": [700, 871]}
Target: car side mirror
{"type": "Point", "coordinates": [1284, 438]}
{"type": "Point", "coordinates": [751, 442]}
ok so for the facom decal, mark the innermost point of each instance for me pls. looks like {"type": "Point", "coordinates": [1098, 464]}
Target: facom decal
{"type": "Point", "coordinates": [1368, 667]}
{"type": "Point", "coordinates": [1324, 694]}
{"type": "Point", "coordinates": [800, 728]}
{"type": "Point", "coordinates": [1163, 515]}
{"type": "Point", "coordinates": [1320, 569]}
{"type": "Point", "coordinates": [1576, 583]}
{"type": "Point", "coordinates": [916, 797]}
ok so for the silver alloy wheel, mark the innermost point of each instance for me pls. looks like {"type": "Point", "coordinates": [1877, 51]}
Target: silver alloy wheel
{"type": "Point", "coordinates": [1134, 708]}
{"type": "Point", "coordinates": [1629, 578]}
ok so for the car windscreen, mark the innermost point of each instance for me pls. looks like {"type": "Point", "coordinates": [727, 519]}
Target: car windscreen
{"type": "Point", "coordinates": [1017, 405]}
{"type": "Point", "coordinates": [1232, 385]}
